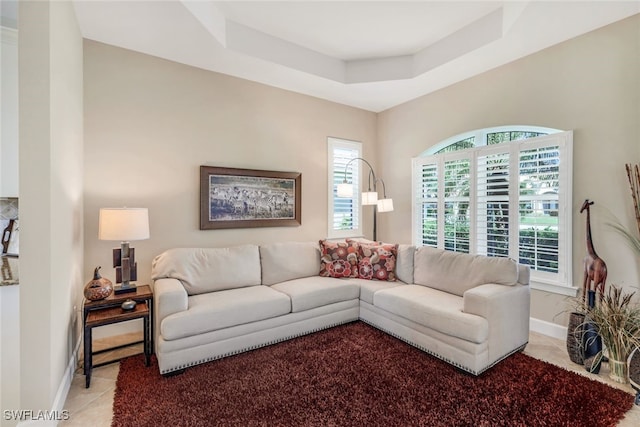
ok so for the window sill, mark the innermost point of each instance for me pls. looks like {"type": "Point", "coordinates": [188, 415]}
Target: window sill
{"type": "Point", "coordinates": [554, 288]}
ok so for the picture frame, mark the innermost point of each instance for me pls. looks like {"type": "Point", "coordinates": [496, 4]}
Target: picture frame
{"type": "Point", "coordinates": [247, 198]}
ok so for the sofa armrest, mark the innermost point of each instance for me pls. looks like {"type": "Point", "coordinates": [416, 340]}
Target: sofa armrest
{"type": "Point", "coordinates": [169, 297]}
{"type": "Point", "coordinates": [506, 309]}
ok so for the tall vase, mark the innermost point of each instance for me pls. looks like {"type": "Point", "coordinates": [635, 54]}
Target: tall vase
{"type": "Point", "coordinates": [575, 347]}
{"type": "Point", "coordinates": [618, 370]}
{"type": "Point", "coordinates": [592, 342]}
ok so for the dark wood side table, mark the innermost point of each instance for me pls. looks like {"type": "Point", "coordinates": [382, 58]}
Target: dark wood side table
{"type": "Point", "coordinates": [108, 311]}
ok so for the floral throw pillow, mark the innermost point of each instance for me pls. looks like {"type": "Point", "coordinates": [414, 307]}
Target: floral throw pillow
{"type": "Point", "coordinates": [377, 261]}
{"type": "Point", "coordinates": [338, 259]}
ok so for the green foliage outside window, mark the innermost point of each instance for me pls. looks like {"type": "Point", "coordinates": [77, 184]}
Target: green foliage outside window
{"type": "Point", "coordinates": [539, 246]}
{"type": "Point", "coordinates": [460, 145]}
{"type": "Point", "coordinates": [536, 245]}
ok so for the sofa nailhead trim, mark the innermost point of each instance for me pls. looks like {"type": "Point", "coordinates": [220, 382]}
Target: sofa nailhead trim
{"type": "Point", "coordinates": [457, 365]}
{"type": "Point", "coordinates": [451, 362]}
{"type": "Point", "coordinates": [232, 353]}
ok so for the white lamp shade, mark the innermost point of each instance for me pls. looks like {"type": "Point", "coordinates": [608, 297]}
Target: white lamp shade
{"type": "Point", "coordinates": [345, 190]}
{"type": "Point", "coordinates": [385, 205]}
{"type": "Point", "coordinates": [369, 198]}
{"type": "Point", "coordinates": [123, 224]}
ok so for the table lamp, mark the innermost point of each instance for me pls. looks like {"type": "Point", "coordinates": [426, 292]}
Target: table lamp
{"type": "Point", "coordinates": [124, 225]}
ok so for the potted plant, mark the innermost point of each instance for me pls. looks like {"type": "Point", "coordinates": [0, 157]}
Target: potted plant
{"type": "Point", "coordinates": [617, 322]}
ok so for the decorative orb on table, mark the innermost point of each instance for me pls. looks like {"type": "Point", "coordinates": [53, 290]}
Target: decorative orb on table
{"type": "Point", "coordinates": [98, 288]}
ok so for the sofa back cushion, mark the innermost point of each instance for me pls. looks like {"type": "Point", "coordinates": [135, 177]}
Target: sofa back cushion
{"type": "Point", "coordinates": [209, 269]}
{"type": "Point", "coordinates": [456, 273]}
{"type": "Point", "coordinates": [288, 261]}
{"type": "Point", "coordinates": [404, 263]}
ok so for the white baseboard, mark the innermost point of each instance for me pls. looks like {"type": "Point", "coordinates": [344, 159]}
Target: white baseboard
{"type": "Point", "coordinates": [65, 384]}
{"type": "Point", "coordinates": [57, 411]}
{"type": "Point", "coordinates": [547, 328]}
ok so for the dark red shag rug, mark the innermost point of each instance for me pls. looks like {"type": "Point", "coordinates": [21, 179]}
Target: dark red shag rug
{"type": "Point", "coordinates": [356, 375]}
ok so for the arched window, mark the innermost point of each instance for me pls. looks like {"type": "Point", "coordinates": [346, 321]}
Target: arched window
{"type": "Point", "coordinates": [502, 192]}
{"type": "Point", "coordinates": [488, 136]}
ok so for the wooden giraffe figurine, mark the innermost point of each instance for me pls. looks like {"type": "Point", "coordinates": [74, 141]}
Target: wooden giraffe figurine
{"type": "Point", "coordinates": [595, 269]}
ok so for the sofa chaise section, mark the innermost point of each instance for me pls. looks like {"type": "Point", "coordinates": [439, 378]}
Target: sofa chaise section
{"type": "Point", "coordinates": [471, 311]}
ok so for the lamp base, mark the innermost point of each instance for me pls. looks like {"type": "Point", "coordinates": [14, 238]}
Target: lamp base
{"type": "Point", "coordinates": [117, 290]}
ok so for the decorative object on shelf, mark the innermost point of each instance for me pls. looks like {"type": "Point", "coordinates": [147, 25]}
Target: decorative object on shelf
{"type": "Point", "coordinates": [369, 197]}
{"type": "Point", "coordinates": [244, 198]}
{"type": "Point", "coordinates": [128, 305]}
{"type": "Point", "coordinates": [10, 238]}
{"type": "Point", "coordinates": [595, 269]}
{"type": "Point", "coordinates": [124, 225]}
{"type": "Point", "coordinates": [99, 287]}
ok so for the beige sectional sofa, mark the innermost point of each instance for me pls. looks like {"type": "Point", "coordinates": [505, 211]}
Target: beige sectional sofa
{"type": "Point", "coordinates": [471, 311]}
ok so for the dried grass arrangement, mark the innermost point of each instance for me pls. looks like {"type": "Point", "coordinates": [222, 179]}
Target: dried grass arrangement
{"type": "Point", "coordinates": [633, 174]}
{"type": "Point", "coordinates": [617, 321]}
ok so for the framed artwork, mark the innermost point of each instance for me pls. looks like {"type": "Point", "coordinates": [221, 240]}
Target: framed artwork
{"type": "Point", "coordinates": [243, 198]}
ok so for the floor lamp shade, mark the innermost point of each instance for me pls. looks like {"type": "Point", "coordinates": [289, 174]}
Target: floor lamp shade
{"type": "Point", "coordinates": [345, 190]}
{"type": "Point", "coordinates": [369, 198]}
{"type": "Point", "coordinates": [385, 205]}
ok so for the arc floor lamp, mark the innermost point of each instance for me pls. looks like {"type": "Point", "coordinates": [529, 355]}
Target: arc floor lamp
{"type": "Point", "coordinates": [369, 197]}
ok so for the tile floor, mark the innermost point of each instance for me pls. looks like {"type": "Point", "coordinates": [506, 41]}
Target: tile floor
{"type": "Point", "coordinates": [93, 406]}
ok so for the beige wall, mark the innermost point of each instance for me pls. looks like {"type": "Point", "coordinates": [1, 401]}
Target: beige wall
{"type": "Point", "coordinates": [51, 220]}
{"type": "Point", "coordinates": [150, 124]}
{"type": "Point", "coordinates": [590, 85]}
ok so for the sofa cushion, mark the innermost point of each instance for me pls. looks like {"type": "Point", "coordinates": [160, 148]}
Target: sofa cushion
{"type": "Point", "coordinates": [404, 263]}
{"type": "Point", "coordinates": [223, 309]}
{"type": "Point", "coordinates": [289, 260]}
{"type": "Point", "coordinates": [338, 259]}
{"type": "Point", "coordinates": [434, 309]}
{"type": "Point", "coordinates": [369, 287]}
{"type": "Point", "coordinates": [204, 270]}
{"type": "Point", "coordinates": [311, 292]}
{"type": "Point", "coordinates": [377, 261]}
{"type": "Point", "coordinates": [456, 272]}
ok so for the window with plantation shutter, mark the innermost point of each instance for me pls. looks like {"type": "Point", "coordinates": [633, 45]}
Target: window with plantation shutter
{"type": "Point", "coordinates": [492, 192]}
{"type": "Point", "coordinates": [344, 212]}
{"type": "Point", "coordinates": [457, 217]}
{"type": "Point", "coordinates": [427, 204]}
{"type": "Point", "coordinates": [539, 208]}
{"type": "Point", "coordinates": [505, 199]}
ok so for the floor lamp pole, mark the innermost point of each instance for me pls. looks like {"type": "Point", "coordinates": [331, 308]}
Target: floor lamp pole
{"type": "Point", "coordinates": [375, 217]}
